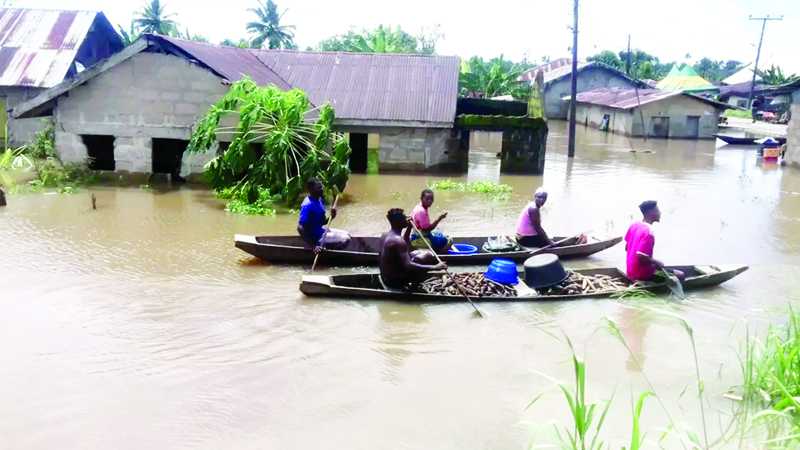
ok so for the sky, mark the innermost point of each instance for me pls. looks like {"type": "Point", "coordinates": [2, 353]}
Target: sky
{"type": "Point", "coordinates": [718, 29]}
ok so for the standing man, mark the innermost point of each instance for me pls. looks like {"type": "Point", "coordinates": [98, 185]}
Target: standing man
{"type": "Point", "coordinates": [639, 244]}
{"type": "Point", "coordinates": [399, 265]}
{"type": "Point", "coordinates": [439, 242]}
{"type": "Point", "coordinates": [529, 225]}
{"type": "Point", "coordinates": [312, 219]}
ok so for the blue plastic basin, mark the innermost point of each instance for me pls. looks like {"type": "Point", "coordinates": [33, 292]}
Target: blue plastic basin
{"type": "Point", "coordinates": [462, 249]}
{"type": "Point", "coordinates": [502, 271]}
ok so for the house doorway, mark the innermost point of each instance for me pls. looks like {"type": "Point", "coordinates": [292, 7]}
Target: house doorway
{"type": "Point", "coordinates": [693, 127]}
{"type": "Point", "coordinates": [359, 143]}
{"type": "Point", "coordinates": [660, 127]}
{"type": "Point", "coordinates": [101, 151]}
{"type": "Point", "coordinates": [485, 148]}
{"type": "Point", "coordinates": [168, 155]}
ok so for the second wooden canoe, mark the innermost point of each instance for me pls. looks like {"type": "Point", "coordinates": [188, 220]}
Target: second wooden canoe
{"type": "Point", "coordinates": [363, 251]}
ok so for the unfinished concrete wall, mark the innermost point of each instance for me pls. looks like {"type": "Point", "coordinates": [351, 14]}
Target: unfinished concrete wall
{"type": "Point", "coordinates": [412, 149]}
{"type": "Point", "coordinates": [792, 156]}
{"type": "Point", "coordinates": [588, 79]}
{"type": "Point", "coordinates": [20, 131]}
{"type": "Point", "coordinates": [678, 109]}
{"type": "Point", "coordinates": [148, 96]}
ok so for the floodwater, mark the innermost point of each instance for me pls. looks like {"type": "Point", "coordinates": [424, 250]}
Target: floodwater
{"type": "Point", "coordinates": [139, 325]}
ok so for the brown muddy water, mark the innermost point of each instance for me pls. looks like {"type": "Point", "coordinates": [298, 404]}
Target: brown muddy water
{"type": "Point", "coordinates": [139, 325]}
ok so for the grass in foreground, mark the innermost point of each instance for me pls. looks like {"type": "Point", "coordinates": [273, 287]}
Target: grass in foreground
{"type": "Point", "coordinates": [746, 114]}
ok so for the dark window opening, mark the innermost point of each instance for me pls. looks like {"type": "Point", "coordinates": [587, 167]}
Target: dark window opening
{"type": "Point", "coordinates": [358, 157]}
{"type": "Point", "coordinates": [167, 156]}
{"type": "Point", "coordinates": [223, 148]}
{"type": "Point", "coordinates": [100, 150]}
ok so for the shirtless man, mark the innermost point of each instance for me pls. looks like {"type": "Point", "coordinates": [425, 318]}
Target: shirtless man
{"type": "Point", "coordinates": [400, 266]}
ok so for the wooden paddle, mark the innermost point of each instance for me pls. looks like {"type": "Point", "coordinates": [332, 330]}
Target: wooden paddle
{"type": "Point", "coordinates": [556, 244]}
{"type": "Point", "coordinates": [322, 242]}
{"type": "Point", "coordinates": [460, 289]}
{"type": "Point", "coordinates": [674, 284]}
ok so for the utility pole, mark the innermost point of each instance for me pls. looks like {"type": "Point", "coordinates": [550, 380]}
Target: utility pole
{"type": "Point", "coordinates": [758, 55]}
{"type": "Point", "coordinates": [628, 68]}
{"type": "Point", "coordinates": [573, 99]}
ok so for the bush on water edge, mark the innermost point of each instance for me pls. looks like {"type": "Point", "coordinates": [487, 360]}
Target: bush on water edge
{"type": "Point", "coordinates": [496, 190]}
{"type": "Point", "coordinates": [767, 412]}
{"type": "Point", "coordinates": [741, 114]}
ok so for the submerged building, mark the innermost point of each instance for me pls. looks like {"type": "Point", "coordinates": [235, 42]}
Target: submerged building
{"type": "Point", "coordinates": [649, 112]}
{"type": "Point", "coordinates": [40, 49]}
{"type": "Point", "coordinates": [557, 76]}
{"type": "Point", "coordinates": [136, 111]}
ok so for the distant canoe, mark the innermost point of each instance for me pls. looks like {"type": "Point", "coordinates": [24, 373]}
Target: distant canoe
{"type": "Point", "coordinates": [368, 286]}
{"type": "Point", "coordinates": [734, 140]}
{"type": "Point", "coordinates": [363, 251]}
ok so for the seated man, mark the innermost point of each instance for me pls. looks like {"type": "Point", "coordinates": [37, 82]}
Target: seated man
{"type": "Point", "coordinates": [439, 242]}
{"type": "Point", "coordinates": [312, 218]}
{"type": "Point", "coordinates": [398, 264]}
{"type": "Point", "coordinates": [529, 225]}
{"type": "Point", "coordinates": [639, 244]}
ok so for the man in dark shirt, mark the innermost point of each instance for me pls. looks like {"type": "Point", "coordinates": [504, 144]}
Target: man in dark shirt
{"type": "Point", "coordinates": [312, 219]}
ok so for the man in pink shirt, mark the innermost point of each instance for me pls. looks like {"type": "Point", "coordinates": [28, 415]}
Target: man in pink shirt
{"type": "Point", "coordinates": [639, 244]}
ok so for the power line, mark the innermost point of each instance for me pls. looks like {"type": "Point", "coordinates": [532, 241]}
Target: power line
{"type": "Point", "coordinates": [758, 55]}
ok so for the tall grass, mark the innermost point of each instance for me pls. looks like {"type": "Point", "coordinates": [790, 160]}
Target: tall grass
{"type": "Point", "coordinates": [586, 431]}
{"type": "Point", "coordinates": [771, 381]}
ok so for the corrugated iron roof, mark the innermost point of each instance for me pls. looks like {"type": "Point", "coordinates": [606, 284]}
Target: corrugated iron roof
{"type": "Point", "coordinates": [628, 98]}
{"type": "Point", "coordinates": [563, 67]}
{"type": "Point", "coordinates": [37, 47]}
{"type": "Point", "coordinates": [230, 63]}
{"type": "Point", "coordinates": [623, 98]}
{"type": "Point", "coordinates": [372, 86]}
{"type": "Point", "coordinates": [530, 74]}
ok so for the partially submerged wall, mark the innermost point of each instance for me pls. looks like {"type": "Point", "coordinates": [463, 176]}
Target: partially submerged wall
{"type": "Point", "coordinates": [792, 156]}
{"type": "Point", "coordinates": [402, 149]}
{"type": "Point", "coordinates": [20, 131]}
{"type": "Point", "coordinates": [148, 96]}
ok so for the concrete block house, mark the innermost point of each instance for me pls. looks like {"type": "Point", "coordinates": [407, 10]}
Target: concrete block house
{"type": "Point", "coordinates": [40, 49]}
{"type": "Point", "coordinates": [557, 77]}
{"type": "Point", "coordinates": [136, 110]}
{"type": "Point", "coordinates": [650, 112]}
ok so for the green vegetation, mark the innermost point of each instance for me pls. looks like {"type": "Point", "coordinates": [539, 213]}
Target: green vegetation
{"type": "Point", "coordinates": [741, 114]}
{"type": "Point", "coordinates": [267, 29]}
{"type": "Point", "coordinates": [774, 76]}
{"type": "Point", "coordinates": [495, 190]}
{"type": "Point", "coordinates": [585, 431]}
{"type": "Point", "coordinates": [14, 159]}
{"type": "Point", "coordinates": [294, 149]}
{"type": "Point", "coordinates": [647, 66]}
{"type": "Point", "coordinates": [152, 18]}
{"type": "Point", "coordinates": [492, 79]}
{"type": "Point", "coordinates": [383, 40]}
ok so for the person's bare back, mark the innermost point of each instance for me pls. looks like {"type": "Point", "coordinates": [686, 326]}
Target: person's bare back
{"type": "Point", "coordinates": [398, 265]}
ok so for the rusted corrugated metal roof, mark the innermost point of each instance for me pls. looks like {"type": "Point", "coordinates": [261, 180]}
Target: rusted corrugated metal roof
{"type": "Point", "coordinates": [372, 86]}
{"type": "Point", "coordinates": [229, 62]}
{"type": "Point", "coordinates": [623, 98]}
{"type": "Point", "coordinates": [37, 47]}
{"type": "Point", "coordinates": [530, 74]}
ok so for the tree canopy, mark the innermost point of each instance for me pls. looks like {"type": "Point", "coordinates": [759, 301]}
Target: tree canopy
{"type": "Point", "coordinates": [647, 66]}
{"type": "Point", "coordinates": [152, 18]}
{"type": "Point", "coordinates": [383, 40]}
{"type": "Point", "coordinates": [275, 147]}
{"type": "Point", "coordinates": [774, 76]}
{"type": "Point", "coordinates": [267, 29]}
{"type": "Point", "coordinates": [494, 78]}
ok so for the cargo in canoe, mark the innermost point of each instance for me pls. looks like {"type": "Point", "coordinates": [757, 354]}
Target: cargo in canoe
{"type": "Point", "coordinates": [363, 251]}
{"type": "Point", "coordinates": [359, 286]}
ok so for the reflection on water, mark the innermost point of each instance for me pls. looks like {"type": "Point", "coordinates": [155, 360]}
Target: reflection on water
{"type": "Point", "coordinates": [139, 325]}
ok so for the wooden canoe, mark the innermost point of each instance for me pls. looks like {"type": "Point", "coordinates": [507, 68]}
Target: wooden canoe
{"type": "Point", "coordinates": [368, 285]}
{"type": "Point", "coordinates": [735, 140]}
{"type": "Point", "coordinates": [363, 251]}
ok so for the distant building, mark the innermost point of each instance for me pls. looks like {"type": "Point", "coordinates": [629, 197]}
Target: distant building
{"type": "Point", "coordinates": [136, 110]}
{"type": "Point", "coordinates": [591, 75]}
{"type": "Point", "coordinates": [41, 48]}
{"type": "Point", "coordinates": [792, 89]}
{"type": "Point", "coordinates": [656, 113]}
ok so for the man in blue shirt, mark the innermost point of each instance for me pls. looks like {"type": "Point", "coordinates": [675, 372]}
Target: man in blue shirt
{"type": "Point", "coordinates": [312, 219]}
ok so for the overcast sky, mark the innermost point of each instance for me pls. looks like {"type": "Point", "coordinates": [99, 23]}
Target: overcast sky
{"type": "Point", "coordinates": [719, 29]}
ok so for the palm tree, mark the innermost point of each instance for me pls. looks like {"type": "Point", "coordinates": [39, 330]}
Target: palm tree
{"type": "Point", "coordinates": [268, 29]}
{"type": "Point", "coordinates": [152, 18]}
